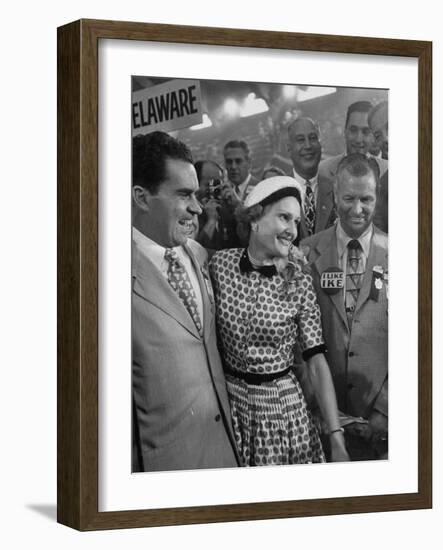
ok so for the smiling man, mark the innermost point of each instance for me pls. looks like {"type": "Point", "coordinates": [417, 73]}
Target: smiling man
{"type": "Point", "coordinates": [181, 417]}
{"type": "Point", "coordinates": [349, 265]}
{"type": "Point", "coordinates": [304, 148]}
{"type": "Point", "coordinates": [358, 138]}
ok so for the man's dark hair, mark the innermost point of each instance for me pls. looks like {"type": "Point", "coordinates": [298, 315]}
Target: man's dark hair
{"type": "Point", "coordinates": [358, 107]}
{"type": "Point", "coordinates": [237, 144]}
{"type": "Point", "coordinates": [358, 165]}
{"type": "Point", "coordinates": [199, 167]}
{"type": "Point", "coordinates": [149, 155]}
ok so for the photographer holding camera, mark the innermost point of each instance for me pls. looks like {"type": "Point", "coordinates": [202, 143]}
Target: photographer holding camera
{"type": "Point", "coordinates": [218, 202]}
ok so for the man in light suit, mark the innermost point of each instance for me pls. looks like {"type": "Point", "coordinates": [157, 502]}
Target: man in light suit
{"type": "Point", "coordinates": [304, 148]}
{"type": "Point", "coordinates": [181, 416]}
{"type": "Point", "coordinates": [359, 138]}
{"type": "Point", "coordinates": [354, 306]}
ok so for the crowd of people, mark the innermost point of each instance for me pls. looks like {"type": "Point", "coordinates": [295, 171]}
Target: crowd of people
{"type": "Point", "coordinates": [260, 306]}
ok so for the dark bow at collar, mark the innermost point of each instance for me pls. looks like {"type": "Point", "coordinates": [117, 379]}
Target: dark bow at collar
{"type": "Point", "coordinates": [246, 266]}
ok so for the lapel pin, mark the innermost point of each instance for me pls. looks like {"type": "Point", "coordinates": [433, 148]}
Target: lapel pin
{"type": "Point", "coordinates": [377, 282]}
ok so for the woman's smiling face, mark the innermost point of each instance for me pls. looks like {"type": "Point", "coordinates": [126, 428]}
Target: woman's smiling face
{"type": "Point", "coordinates": [275, 230]}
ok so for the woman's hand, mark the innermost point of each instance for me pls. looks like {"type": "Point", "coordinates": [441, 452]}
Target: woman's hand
{"type": "Point", "coordinates": [338, 447]}
{"type": "Point", "coordinates": [324, 392]}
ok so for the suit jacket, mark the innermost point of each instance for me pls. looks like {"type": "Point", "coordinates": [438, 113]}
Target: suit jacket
{"type": "Point", "coordinates": [327, 172]}
{"type": "Point", "coordinates": [381, 214]}
{"type": "Point", "coordinates": [181, 412]}
{"type": "Point", "coordinates": [357, 357]}
{"type": "Point", "coordinates": [328, 167]}
{"type": "Point", "coordinates": [325, 214]}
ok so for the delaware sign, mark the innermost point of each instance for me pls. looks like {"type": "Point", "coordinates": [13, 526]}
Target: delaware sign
{"type": "Point", "coordinates": [170, 106]}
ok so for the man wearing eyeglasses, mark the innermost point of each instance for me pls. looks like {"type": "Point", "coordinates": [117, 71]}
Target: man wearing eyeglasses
{"type": "Point", "coordinates": [217, 223]}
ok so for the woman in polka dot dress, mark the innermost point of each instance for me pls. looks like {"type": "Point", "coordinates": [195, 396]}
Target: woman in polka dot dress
{"type": "Point", "coordinates": [266, 305]}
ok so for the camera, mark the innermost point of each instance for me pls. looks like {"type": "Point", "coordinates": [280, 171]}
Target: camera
{"type": "Point", "coordinates": [215, 189]}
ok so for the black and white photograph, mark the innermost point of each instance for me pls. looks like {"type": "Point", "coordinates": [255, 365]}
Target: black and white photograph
{"type": "Point", "coordinates": [259, 274]}
{"type": "Point", "coordinates": [172, 313]}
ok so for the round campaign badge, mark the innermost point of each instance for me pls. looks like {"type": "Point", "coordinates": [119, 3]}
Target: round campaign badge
{"type": "Point", "coordinates": [332, 280]}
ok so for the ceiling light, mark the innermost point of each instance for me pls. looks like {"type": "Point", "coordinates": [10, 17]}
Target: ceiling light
{"type": "Point", "coordinates": [314, 91]}
{"type": "Point", "coordinates": [253, 106]}
{"type": "Point", "coordinates": [206, 123]}
{"type": "Point", "coordinates": [231, 107]}
{"type": "Point", "coordinates": [289, 92]}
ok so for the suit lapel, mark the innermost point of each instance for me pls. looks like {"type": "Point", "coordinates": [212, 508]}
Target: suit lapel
{"type": "Point", "coordinates": [150, 283]}
{"type": "Point", "coordinates": [377, 256]}
{"type": "Point", "coordinates": [332, 168]}
{"type": "Point", "coordinates": [325, 203]}
{"type": "Point", "coordinates": [323, 208]}
{"type": "Point", "coordinates": [203, 280]}
{"type": "Point", "coordinates": [327, 257]}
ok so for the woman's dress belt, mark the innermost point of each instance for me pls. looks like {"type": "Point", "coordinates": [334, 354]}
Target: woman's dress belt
{"type": "Point", "coordinates": [256, 379]}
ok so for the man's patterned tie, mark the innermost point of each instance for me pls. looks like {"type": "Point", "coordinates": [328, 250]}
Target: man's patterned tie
{"type": "Point", "coordinates": [354, 277]}
{"type": "Point", "coordinates": [179, 280]}
{"type": "Point", "coordinates": [309, 208]}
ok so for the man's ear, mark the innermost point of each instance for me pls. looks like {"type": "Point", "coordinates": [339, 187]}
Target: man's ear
{"type": "Point", "coordinates": [141, 197]}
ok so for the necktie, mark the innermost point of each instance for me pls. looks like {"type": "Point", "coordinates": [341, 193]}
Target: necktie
{"type": "Point", "coordinates": [179, 281]}
{"type": "Point", "coordinates": [354, 276]}
{"type": "Point", "coordinates": [237, 191]}
{"type": "Point", "coordinates": [309, 208]}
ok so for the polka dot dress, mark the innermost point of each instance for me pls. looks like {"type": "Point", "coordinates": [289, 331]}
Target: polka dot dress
{"type": "Point", "coordinates": [259, 323]}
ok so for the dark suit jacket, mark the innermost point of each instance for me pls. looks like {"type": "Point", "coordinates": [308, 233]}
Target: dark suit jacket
{"type": "Point", "coordinates": [358, 358]}
{"type": "Point", "coordinates": [381, 214]}
{"type": "Point", "coordinates": [324, 209]}
{"type": "Point", "coordinates": [181, 410]}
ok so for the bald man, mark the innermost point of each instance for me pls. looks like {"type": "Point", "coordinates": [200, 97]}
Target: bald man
{"type": "Point", "coordinates": [304, 148]}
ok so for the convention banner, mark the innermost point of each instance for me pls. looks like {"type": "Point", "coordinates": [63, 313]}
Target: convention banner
{"type": "Point", "coordinates": [170, 106]}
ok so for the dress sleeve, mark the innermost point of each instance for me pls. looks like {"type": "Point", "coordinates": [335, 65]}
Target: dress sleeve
{"type": "Point", "coordinates": [309, 320]}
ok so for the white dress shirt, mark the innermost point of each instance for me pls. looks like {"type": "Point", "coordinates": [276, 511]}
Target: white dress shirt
{"type": "Point", "coordinates": [241, 188]}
